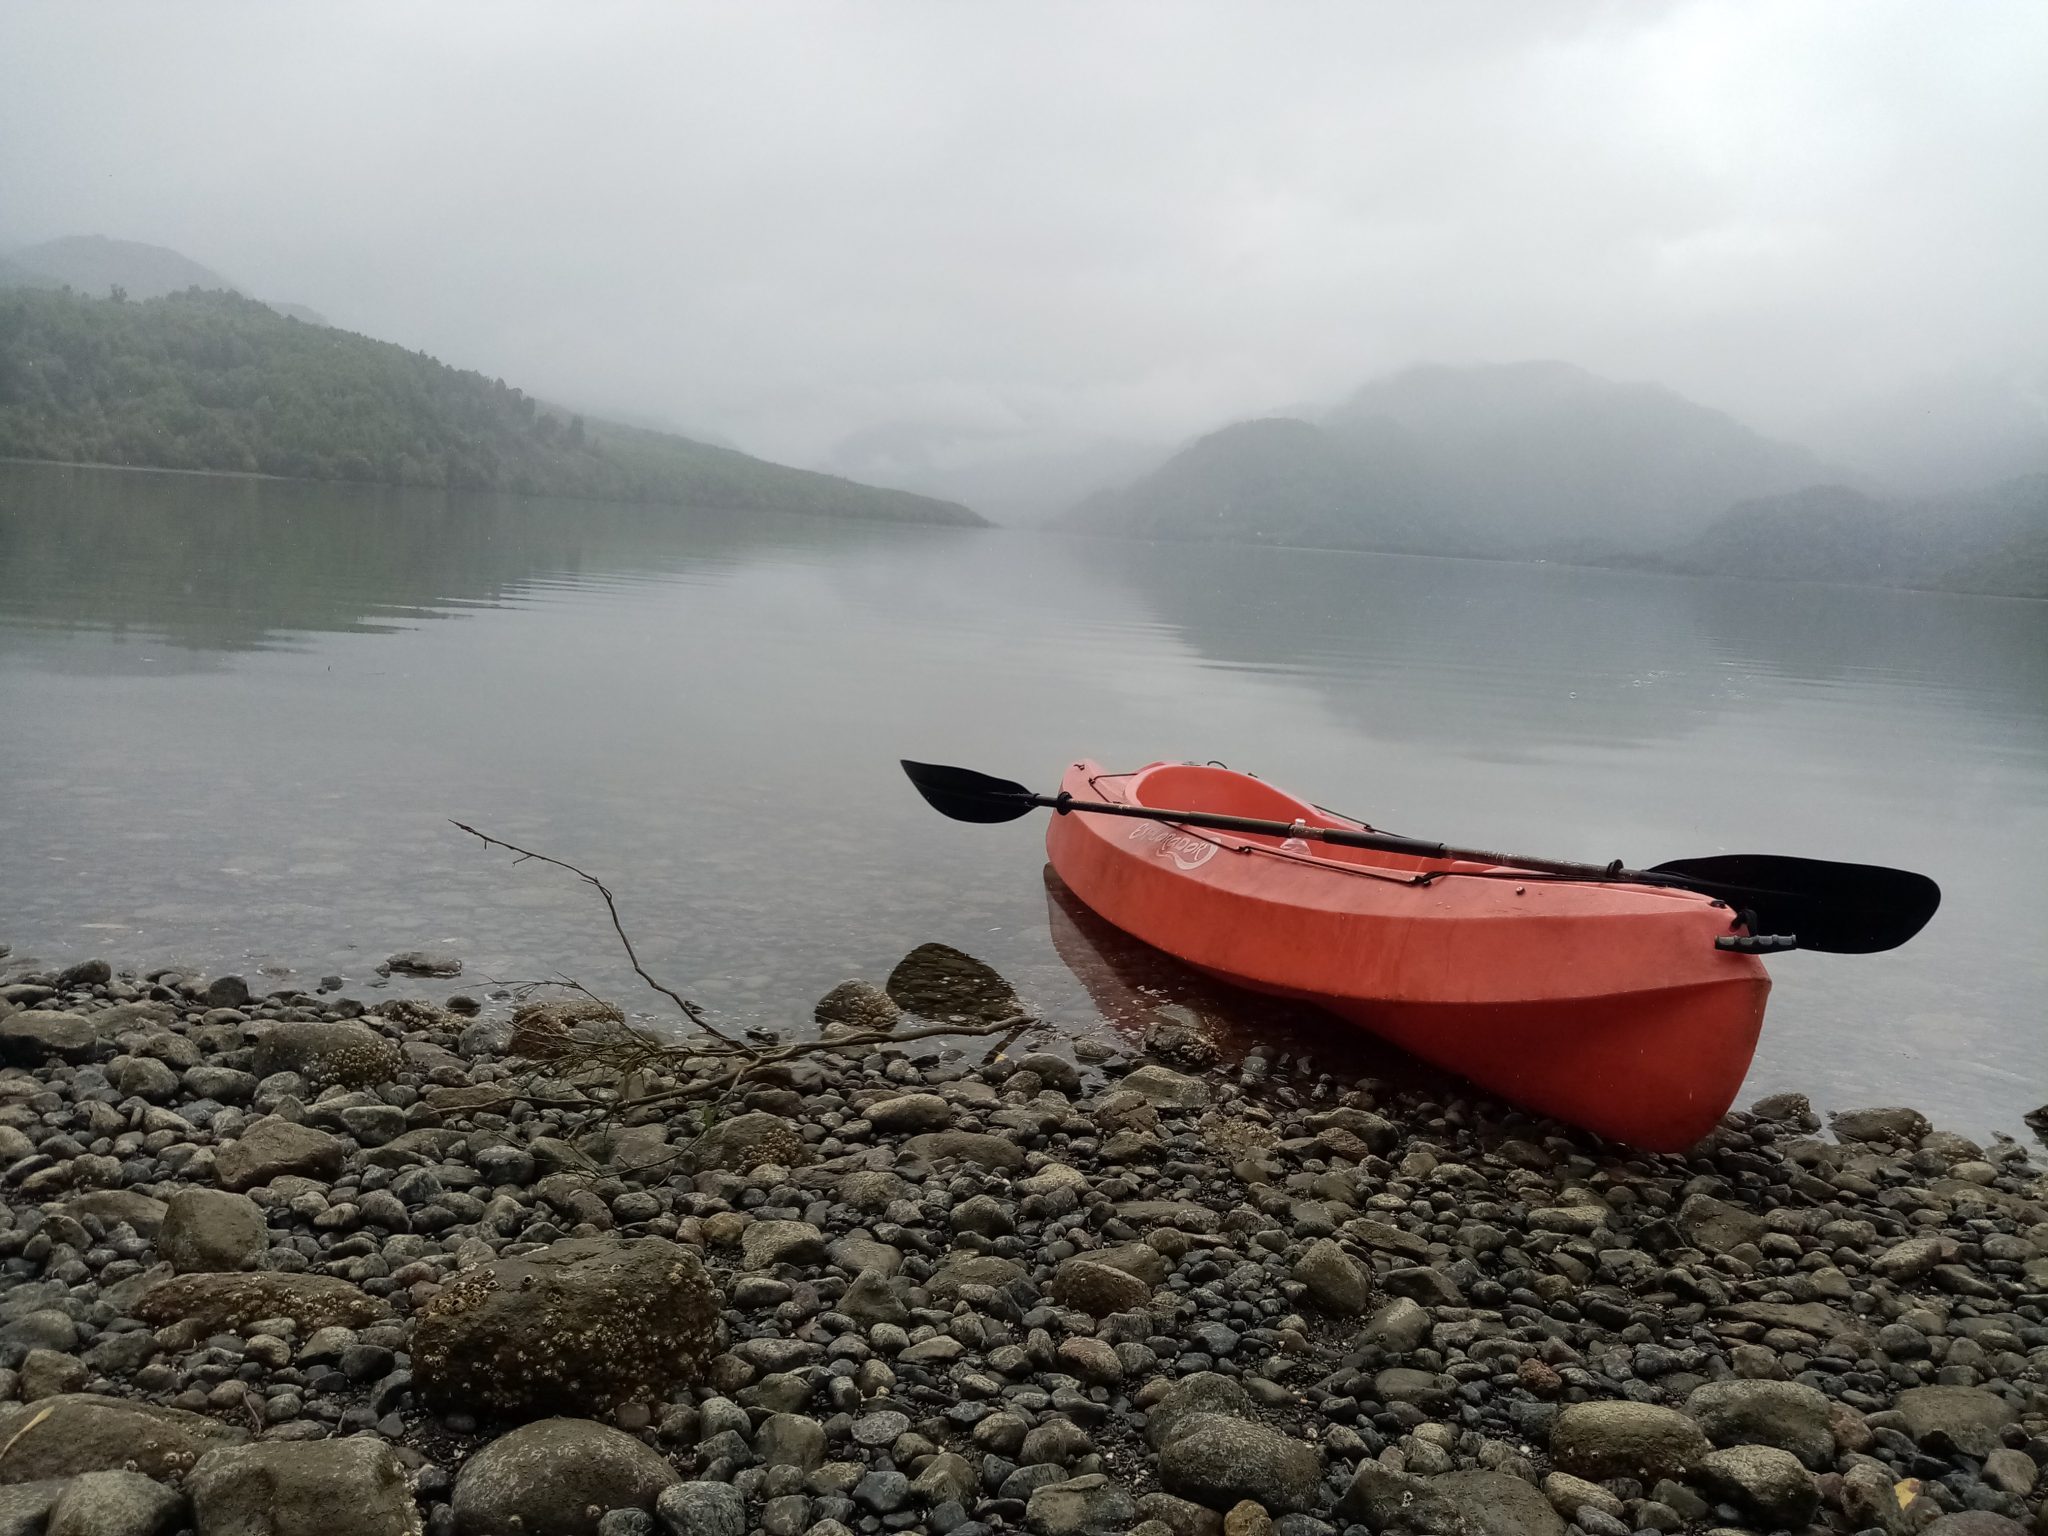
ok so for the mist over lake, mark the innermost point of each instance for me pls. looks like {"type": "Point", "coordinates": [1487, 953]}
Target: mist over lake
{"type": "Point", "coordinates": [240, 713]}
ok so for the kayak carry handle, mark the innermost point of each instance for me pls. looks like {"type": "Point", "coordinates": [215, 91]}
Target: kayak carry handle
{"type": "Point", "coordinates": [1757, 943]}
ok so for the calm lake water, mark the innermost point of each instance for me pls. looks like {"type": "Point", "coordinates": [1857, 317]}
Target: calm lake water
{"type": "Point", "coordinates": [236, 717]}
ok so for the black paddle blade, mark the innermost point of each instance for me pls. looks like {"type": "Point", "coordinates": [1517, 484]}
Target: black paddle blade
{"type": "Point", "coordinates": [965, 795]}
{"type": "Point", "coordinates": [1843, 909]}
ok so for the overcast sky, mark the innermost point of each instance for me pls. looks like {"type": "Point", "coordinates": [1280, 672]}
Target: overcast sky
{"type": "Point", "coordinates": [792, 222]}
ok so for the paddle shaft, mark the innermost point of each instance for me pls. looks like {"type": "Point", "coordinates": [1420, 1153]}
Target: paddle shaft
{"type": "Point", "coordinates": [1379, 842]}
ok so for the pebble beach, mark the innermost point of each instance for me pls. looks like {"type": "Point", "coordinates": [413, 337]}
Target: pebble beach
{"type": "Point", "coordinates": [298, 1263]}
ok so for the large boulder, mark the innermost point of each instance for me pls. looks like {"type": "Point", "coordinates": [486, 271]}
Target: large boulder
{"type": "Point", "coordinates": [1336, 1281]}
{"type": "Point", "coordinates": [351, 1487]}
{"type": "Point", "coordinates": [582, 1326]}
{"type": "Point", "coordinates": [1217, 1460]}
{"type": "Point", "coordinates": [352, 1055]}
{"type": "Point", "coordinates": [1892, 1125]}
{"type": "Point", "coordinates": [747, 1141]}
{"type": "Point", "coordinates": [115, 1504]}
{"type": "Point", "coordinates": [1948, 1419]}
{"type": "Point", "coordinates": [1172, 1090]}
{"type": "Point", "coordinates": [1765, 1483]}
{"type": "Point", "coordinates": [558, 1476]}
{"type": "Point", "coordinates": [78, 1432]}
{"type": "Point", "coordinates": [271, 1147]}
{"type": "Point", "coordinates": [1098, 1289]}
{"type": "Point", "coordinates": [1602, 1440]}
{"type": "Point", "coordinates": [37, 1039]}
{"type": "Point", "coordinates": [1208, 1392]}
{"type": "Point", "coordinates": [980, 1148]}
{"type": "Point", "coordinates": [25, 1507]}
{"type": "Point", "coordinates": [1079, 1505]}
{"type": "Point", "coordinates": [213, 1303]}
{"type": "Point", "coordinates": [1470, 1503]}
{"type": "Point", "coordinates": [1717, 1226]}
{"type": "Point", "coordinates": [1791, 1416]}
{"type": "Point", "coordinates": [144, 1213]}
{"type": "Point", "coordinates": [207, 1230]}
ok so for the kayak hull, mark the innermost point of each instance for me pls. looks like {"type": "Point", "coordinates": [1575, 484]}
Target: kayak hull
{"type": "Point", "coordinates": [1603, 1005]}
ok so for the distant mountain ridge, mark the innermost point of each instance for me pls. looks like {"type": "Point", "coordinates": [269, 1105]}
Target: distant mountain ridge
{"type": "Point", "coordinates": [1521, 459]}
{"type": "Point", "coordinates": [1993, 540]}
{"type": "Point", "coordinates": [96, 265]}
{"type": "Point", "coordinates": [210, 380]}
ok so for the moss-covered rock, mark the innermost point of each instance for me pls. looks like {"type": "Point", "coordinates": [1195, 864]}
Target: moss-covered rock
{"type": "Point", "coordinates": [577, 1328]}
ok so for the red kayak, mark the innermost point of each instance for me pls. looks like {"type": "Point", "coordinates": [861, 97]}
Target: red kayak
{"type": "Point", "coordinates": [1606, 1005]}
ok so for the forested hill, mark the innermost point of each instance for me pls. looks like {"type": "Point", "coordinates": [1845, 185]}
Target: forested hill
{"type": "Point", "coordinates": [1528, 459]}
{"type": "Point", "coordinates": [211, 380]}
{"type": "Point", "coordinates": [1993, 540]}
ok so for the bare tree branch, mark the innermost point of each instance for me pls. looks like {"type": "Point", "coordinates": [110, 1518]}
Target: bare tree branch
{"type": "Point", "coordinates": [690, 1010]}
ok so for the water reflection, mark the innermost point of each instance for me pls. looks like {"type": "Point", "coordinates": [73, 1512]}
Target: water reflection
{"type": "Point", "coordinates": [207, 563]}
{"type": "Point", "coordinates": [1156, 1004]}
{"type": "Point", "coordinates": [1555, 654]}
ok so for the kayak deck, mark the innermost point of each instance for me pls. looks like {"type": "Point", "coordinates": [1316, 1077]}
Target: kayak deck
{"type": "Point", "coordinates": [1605, 1005]}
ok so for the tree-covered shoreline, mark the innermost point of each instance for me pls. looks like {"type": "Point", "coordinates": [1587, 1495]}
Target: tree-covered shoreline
{"type": "Point", "coordinates": [210, 381]}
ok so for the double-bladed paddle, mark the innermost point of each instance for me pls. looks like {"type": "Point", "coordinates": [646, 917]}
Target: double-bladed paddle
{"type": "Point", "coordinates": [1844, 909]}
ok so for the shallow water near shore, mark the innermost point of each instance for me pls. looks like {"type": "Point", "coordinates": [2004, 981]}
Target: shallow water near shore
{"type": "Point", "coordinates": [235, 717]}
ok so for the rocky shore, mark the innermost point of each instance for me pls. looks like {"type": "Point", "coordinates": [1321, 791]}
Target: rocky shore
{"type": "Point", "coordinates": [286, 1264]}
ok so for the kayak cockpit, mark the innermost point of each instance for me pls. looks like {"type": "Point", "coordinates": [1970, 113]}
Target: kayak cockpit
{"type": "Point", "coordinates": [1223, 791]}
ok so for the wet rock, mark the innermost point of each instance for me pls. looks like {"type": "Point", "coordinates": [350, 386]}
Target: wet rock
{"type": "Point", "coordinates": [351, 1487]}
{"type": "Point", "coordinates": [1890, 1126]}
{"type": "Point", "coordinates": [61, 1436]}
{"type": "Point", "coordinates": [210, 1230]}
{"type": "Point", "coordinates": [1787, 1414]}
{"type": "Point", "coordinates": [910, 1112]}
{"type": "Point", "coordinates": [1399, 1327]}
{"type": "Point", "coordinates": [1717, 1226]}
{"type": "Point", "coordinates": [114, 1206]}
{"type": "Point", "coordinates": [1621, 1439]}
{"type": "Point", "coordinates": [871, 1299]}
{"type": "Point", "coordinates": [1911, 1259]}
{"type": "Point", "coordinates": [115, 1504]}
{"type": "Point", "coordinates": [2011, 1471]}
{"type": "Point", "coordinates": [225, 992]}
{"type": "Point", "coordinates": [25, 1507]}
{"type": "Point", "coordinates": [790, 1440]}
{"type": "Point", "coordinates": [747, 1141]}
{"type": "Point", "coordinates": [583, 1325]}
{"type": "Point", "coordinates": [1097, 1289]}
{"type": "Point", "coordinates": [1169, 1089]}
{"type": "Point", "coordinates": [1218, 1460]}
{"type": "Point", "coordinates": [765, 1244]}
{"type": "Point", "coordinates": [1568, 1495]}
{"type": "Point", "coordinates": [1946, 1419]}
{"type": "Point", "coordinates": [1337, 1283]}
{"type": "Point", "coordinates": [1793, 1109]}
{"type": "Point", "coordinates": [558, 1476]}
{"type": "Point", "coordinates": [1091, 1503]}
{"type": "Point", "coordinates": [49, 1373]}
{"type": "Point", "coordinates": [976, 1147]}
{"type": "Point", "coordinates": [1764, 1482]}
{"type": "Point", "coordinates": [213, 1302]}
{"type": "Point", "coordinates": [84, 975]}
{"type": "Point", "coordinates": [37, 1039]}
{"type": "Point", "coordinates": [702, 1509]}
{"type": "Point", "coordinates": [1484, 1503]}
{"type": "Point", "coordinates": [421, 962]}
{"type": "Point", "coordinates": [350, 1055]}
{"type": "Point", "coordinates": [857, 1005]}
{"type": "Point", "coordinates": [271, 1147]}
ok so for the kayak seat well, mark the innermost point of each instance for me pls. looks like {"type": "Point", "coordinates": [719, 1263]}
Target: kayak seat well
{"type": "Point", "coordinates": [1219, 791]}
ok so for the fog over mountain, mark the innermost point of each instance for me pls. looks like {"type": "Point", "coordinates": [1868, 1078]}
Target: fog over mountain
{"type": "Point", "coordinates": [1024, 232]}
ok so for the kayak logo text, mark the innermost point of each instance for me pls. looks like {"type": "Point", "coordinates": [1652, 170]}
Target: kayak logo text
{"type": "Point", "coordinates": [1187, 852]}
